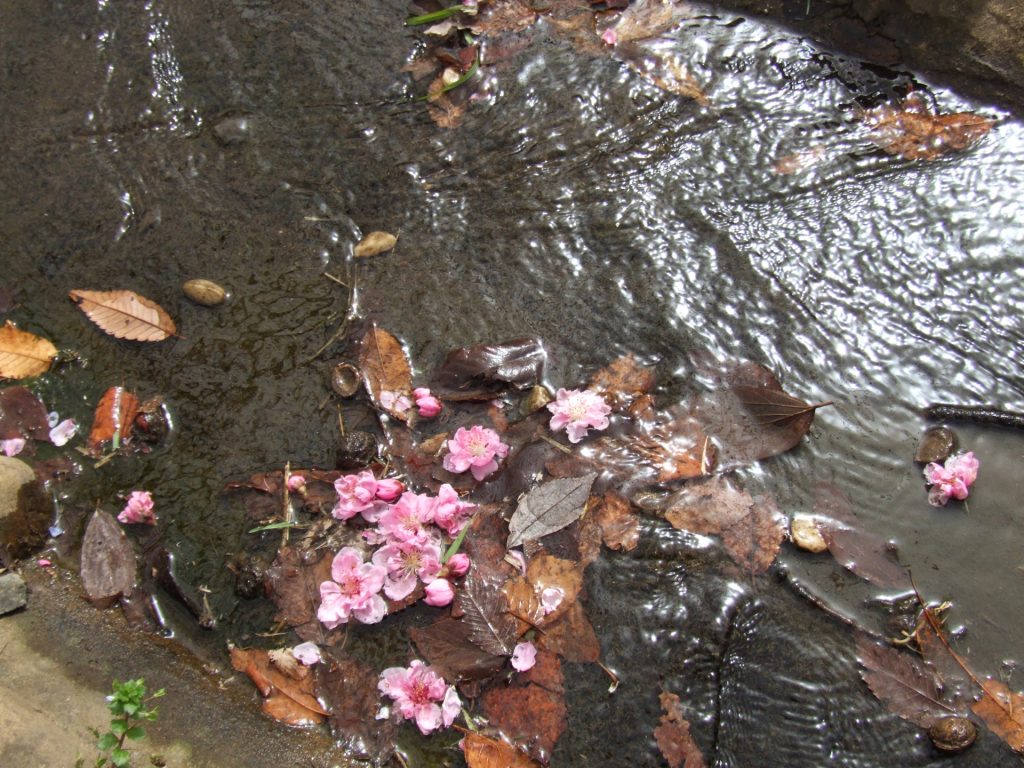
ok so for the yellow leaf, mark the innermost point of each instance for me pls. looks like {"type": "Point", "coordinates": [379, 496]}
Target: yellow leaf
{"type": "Point", "coordinates": [23, 354]}
{"type": "Point", "coordinates": [125, 314]}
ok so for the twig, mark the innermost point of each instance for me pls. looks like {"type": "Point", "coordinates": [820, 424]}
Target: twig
{"type": "Point", "coordinates": [979, 414]}
{"type": "Point", "coordinates": [615, 678]}
{"type": "Point", "coordinates": [343, 328]}
{"type": "Point", "coordinates": [556, 444]}
{"type": "Point", "coordinates": [287, 511]}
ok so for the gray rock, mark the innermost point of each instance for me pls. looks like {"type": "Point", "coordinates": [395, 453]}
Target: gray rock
{"type": "Point", "coordinates": [24, 511]}
{"type": "Point", "coordinates": [232, 130]}
{"type": "Point", "coordinates": [108, 561]}
{"type": "Point", "coordinates": [13, 593]}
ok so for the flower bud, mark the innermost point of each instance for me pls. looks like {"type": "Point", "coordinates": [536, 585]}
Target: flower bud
{"type": "Point", "coordinates": [439, 593]}
{"type": "Point", "coordinates": [458, 565]}
{"type": "Point", "coordinates": [389, 489]}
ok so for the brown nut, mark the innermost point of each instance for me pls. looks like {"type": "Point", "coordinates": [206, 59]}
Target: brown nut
{"type": "Point", "coordinates": [345, 379]}
{"type": "Point", "coordinates": [205, 292]}
{"type": "Point", "coordinates": [953, 734]}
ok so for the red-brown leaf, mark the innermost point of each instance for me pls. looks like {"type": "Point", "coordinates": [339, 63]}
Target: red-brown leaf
{"type": "Point", "coordinates": [386, 371]}
{"type": "Point", "coordinates": [1003, 713]}
{"type": "Point", "coordinates": [622, 382]}
{"type": "Point", "coordinates": [911, 132]}
{"type": "Point", "coordinates": [294, 582]}
{"type": "Point", "coordinates": [350, 690]}
{"type": "Point", "coordinates": [22, 414]}
{"type": "Point", "coordinates": [447, 645]}
{"type": "Point", "coordinates": [108, 560]}
{"type": "Point", "coordinates": [527, 715]}
{"type": "Point", "coordinates": [673, 735]}
{"type": "Point", "coordinates": [482, 752]}
{"type": "Point", "coordinates": [619, 521]}
{"type": "Point", "coordinates": [114, 415]}
{"type": "Point", "coordinates": [523, 594]}
{"type": "Point", "coordinates": [294, 683]}
{"type": "Point", "coordinates": [572, 637]}
{"type": "Point", "coordinates": [125, 314]}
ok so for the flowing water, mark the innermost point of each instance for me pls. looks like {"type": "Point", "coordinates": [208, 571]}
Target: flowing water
{"type": "Point", "coordinates": [578, 203]}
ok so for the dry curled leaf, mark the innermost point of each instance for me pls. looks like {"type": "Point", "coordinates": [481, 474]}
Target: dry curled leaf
{"type": "Point", "coordinates": [125, 314]}
{"type": "Point", "coordinates": [482, 752]}
{"type": "Point", "coordinates": [386, 373]}
{"type": "Point", "coordinates": [289, 691]}
{"type": "Point", "coordinates": [375, 243]}
{"type": "Point", "coordinates": [673, 735]}
{"type": "Point", "coordinates": [904, 683]}
{"type": "Point", "coordinates": [619, 522]}
{"type": "Point", "coordinates": [650, 18]}
{"type": "Point", "coordinates": [549, 507]}
{"type": "Point", "coordinates": [23, 354]}
{"type": "Point", "coordinates": [112, 420]}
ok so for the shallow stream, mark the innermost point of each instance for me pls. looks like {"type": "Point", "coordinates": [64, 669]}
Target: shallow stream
{"type": "Point", "coordinates": [578, 203]}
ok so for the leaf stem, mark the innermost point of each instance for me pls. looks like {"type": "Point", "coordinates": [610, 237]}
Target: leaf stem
{"type": "Point", "coordinates": [429, 18]}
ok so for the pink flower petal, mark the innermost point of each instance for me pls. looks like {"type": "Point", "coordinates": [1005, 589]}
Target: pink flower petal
{"type": "Point", "coordinates": [524, 656]}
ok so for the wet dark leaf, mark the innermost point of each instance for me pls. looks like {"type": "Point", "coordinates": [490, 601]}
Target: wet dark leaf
{"type": "Point", "coordinates": [113, 418]}
{"type": "Point", "coordinates": [276, 683]}
{"type": "Point", "coordinates": [22, 414]}
{"type": "Point", "coordinates": [862, 552]}
{"type": "Point", "coordinates": [528, 715]}
{"type": "Point", "coordinates": [622, 382]}
{"type": "Point", "coordinates": [349, 689]}
{"type": "Point", "coordinates": [108, 561]}
{"type": "Point", "coordinates": [752, 418]}
{"type": "Point", "coordinates": [754, 542]}
{"type": "Point", "coordinates": [903, 683]}
{"type": "Point", "coordinates": [619, 521]}
{"type": "Point", "coordinates": [447, 645]}
{"type": "Point", "coordinates": [572, 637]}
{"type": "Point", "coordinates": [294, 581]}
{"type": "Point", "coordinates": [650, 18]}
{"type": "Point", "coordinates": [673, 735]}
{"type": "Point", "coordinates": [482, 752]}
{"type": "Point", "coordinates": [549, 507]}
{"type": "Point", "coordinates": [386, 372]}
{"type": "Point", "coordinates": [481, 371]}
{"type": "Point", "coordinates": [482, 603]}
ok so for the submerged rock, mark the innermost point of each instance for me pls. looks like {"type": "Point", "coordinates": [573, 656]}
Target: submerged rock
{"type": "Point", "coordinates": [13, 593]}
{"type": "Point", "coordinates": [232, 130]}
{"type": "Point", "coordinates": [936, 444]}
{"type": "Point", "coordinates": [24, 511]}
{"type": "Point", "coordinates": [108, 561]}
{"type": "Point", "coordinates": [356, 450]}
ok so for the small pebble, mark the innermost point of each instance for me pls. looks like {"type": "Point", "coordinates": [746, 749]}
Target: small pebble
{"type": "Point", "coordinates": [13, 593]}
{"type": "Point", "coordinates": [806, 534]}
{"type": "Point", "coordinates": [356, 450]}
{"type": "Point", "coordinates": [936, 444]}
{"type": "Point", "coordinates": [953, 734]}
{"type": "Point", "coordinates": [229, 131]}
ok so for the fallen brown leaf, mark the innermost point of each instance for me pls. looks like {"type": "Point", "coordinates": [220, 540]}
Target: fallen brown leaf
{"type": "Point", "coordinates": [622, 382]}
{"type": "Point", "coordinates": [673, 735]}
{"type": "Point", "coordinates": [619, 521]}
{"type": "Point", "coordinates": [22, 414]}
{"type": "Point", "coordinates": [910, 131]}
{"type": "Point", "coordinates": [482, 752]}
{"type": "Point", "coordinates": [114, 415]}
{"type": "Point", "coordinates": [289, 693]}
{"type": "Point", "coordinates": [1003, 712]}
{"type": "Point", "coordinates": [528, 715]}
{"type": "Point", "coordinates": [125, 314]}
{"type": "Point", "coordinates": [572, 637]}
{"type": "Point", "coordinates": [523, 594]}
{"type": "Point", "coordinates": [448, 646]}
{"type": "Point", "coordinates": [23, 354]}
{"type": "Point", "coordinates": [294, 584]}
{"type": "Point", "coordinates": [350, 690]}
{"type": "Point", "coordinates": [386, 372]}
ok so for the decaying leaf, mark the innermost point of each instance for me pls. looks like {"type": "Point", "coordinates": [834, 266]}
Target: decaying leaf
{"type": "Point", "coordinates": [108, 561]}
{"type": "Point", "coordinates": [527, 714]}
{"type": "Point", "coordinates": [673, 735]}
{"type": "Point", "coordinates": [622, 382]}
{"type": "Point", "coordinates": [904, 683]}
{"type": "Point", "coordinates": [294, 584]}
{"type": "Point", "coordinates": [349, 689]}
{"type": "Point", "coordinates": [752, 530]}
{"type": "Point", "coordinates": [525, 594]}
{"type": "Point", "coordinates": [22, 414]}
{"type": "Point", "coordinates": [23, 354]}
{"type": "Point", "coordinates": [445, 113]}
{"type": "Point", "coordinates": [619, 521]}
{"type": "Point", "coordinates": [374, 244]}
{"type": "Point", "coordinates": [288, 692]}
{"type": "Point", "coordinates": [481, 371]}
{"type": "Point", "coordinates": [650, 18]}
{"type": "Point", "coordinates": [506, 16]}
{"type": "Point", "coordinates": [386, 372]}
{"type": "Point", "coordinates": [448, 646]}
{"type": "Point", "coordinates": [482, 752]}
{"type": "Point", "coordinates": [549, 507]}
{"type": "Point", "coordinates": [572, 637]}
{"type": "Point", "coordinates": [1003, 713]}
{"type": "Point", "coordinates": [112, 420]}
{"type": "Point", "coordinates": [671, 75]}
{"type": "Point", "coordinates": [752, 418]}
{"type": "Point", "coordinates": [125, 314]}
{"type": "Point", "coordinates": [910, 131]}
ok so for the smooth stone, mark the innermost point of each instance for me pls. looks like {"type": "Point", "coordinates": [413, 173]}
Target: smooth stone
{"type": "Point", "coordinates": [233, 130]}
{"type": "Point", "coordinates": [936, 444]}
{"type": "Point", "coordinates": [24, 511]}
{"type": "Point", "coordinates": [13, 593]}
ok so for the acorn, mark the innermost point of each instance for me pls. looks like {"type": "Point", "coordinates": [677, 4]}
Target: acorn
{"type": "Point", "coordinates": [953, 734]}
{"type": "Point", "coordinates": [205, 292]}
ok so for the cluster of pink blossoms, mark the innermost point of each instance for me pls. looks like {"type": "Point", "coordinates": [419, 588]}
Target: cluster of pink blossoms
{"type": "Point", "coordinates": [952, 479]}
{"type": "Point", "coordinates": [476, 449]}
{"type": "Point", "coordinates": [427, 406]}
{"type": "Point", "coordinates": [577, 411]}
{"type": "Point", "coordinates": [410, 532]}
{"type": "Point", "coordinates": [422, 695]}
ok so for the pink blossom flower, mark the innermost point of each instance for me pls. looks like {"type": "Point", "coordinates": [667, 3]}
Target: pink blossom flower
{"type": "Point", "coordinates": [405, 562]}
{"type": "Point", "coordinates": [524, 656]}
{"type": "Point", "coordinates": [61, 433]}
{"type": "Point", "coordinates": [427, 405]}
{"type": "Point", "coordinates": [458, 565]}
{"type": "Point", "coordinates": [353, 591]}
{"type": "Point", "coordinates": [578, 410]}
{"type": "Point", "coordinates": [297, 484]}
{"type": "Point", "coordinates": [395, 401]}
{"type": "Point", "coordinates": [451, 513]}
{"type": "Point", "coordinates": [407, 520]}
{"type": "Point", "coordinates": [12, 446]}
{"type": "Point", "coordinates": [476, 449]}
{"type": "Point", "coordinates": [439, 593]}
{"type": "Point", "coordinates": [389, 489]}
{"type": "Point", "coordinates": [951, 480]}
{"type": "Point", "coordinates": [139, 509]}
{"type": "Point", "coordinates": [421, 695]}
{"type": "Point", "coordinates": [307, 653]}
{"type": "Point", "coordinates": [609, 37]}
{"type": "Point", "coordinates": [357, 494]}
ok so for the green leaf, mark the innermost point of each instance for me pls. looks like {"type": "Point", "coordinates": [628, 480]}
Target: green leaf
{"type": "Point", "coordinates": [136, 732]}
{"type": "Point", "coordinates": [454, 547]}
{"type": "Point", "coordinates": [274, 527]}
{"type": "Point", "coordinates": [158, 694]}
{"type": "Point", "coordinates": [429, 18]}
{"type": "Point", "coordinates": [106, 741]}
{"type": "Point", "coordinates": [121, 757]}
{"type": "Point", "coordinates": [118, 727]}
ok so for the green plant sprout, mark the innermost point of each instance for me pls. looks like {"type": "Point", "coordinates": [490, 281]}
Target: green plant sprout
{"type": "Point", "coordinates": [127, 703]}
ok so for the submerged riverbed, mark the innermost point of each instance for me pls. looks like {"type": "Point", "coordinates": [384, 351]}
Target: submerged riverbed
{"type": "Point", "coordinates": [579, 203]}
